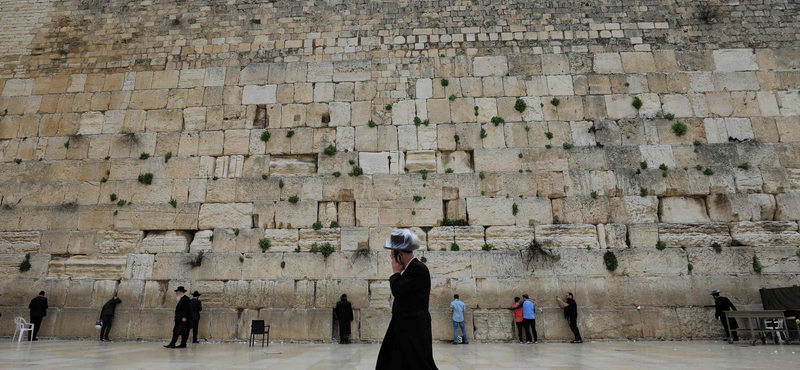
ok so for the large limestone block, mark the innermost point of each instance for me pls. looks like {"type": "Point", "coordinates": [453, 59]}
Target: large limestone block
{"type": "Point", "coordinates": [302, 214]}
{"type": "Point", "coordinates": [607, 63]}
{"type": "Point", "coordinates": [732, 260]}
{"type": "Point", "coordinates": [86, 267]}
{"type": "Point", "coordinates": [441, 238]}
{"type": "Point", "coordinates": [490, 66]}
{"type": "Point", "coordinates": [581, 210]}
{"type": "Point", "coordinates": [567, 236]}
{"type": "Point", "coordinates": [763, 233]}
{"type": "Point", "coordinates": [788, 207]}
{"type": "Point", "coordinates": [372, 163]}
{"type": "Point", "coordinates": [449, 264]}
{"type": "Point", "coordinates": [374, 323]}
{"type": "Point", "coordinates": [19, 242]}
{"type": "Point", "coordinates": [740, 207]}
{"type": "Point", "coordinates": [118, 241]}
{"type": "Point", "coordinates": [311, 237]}
{"type": "Point", "coordinates": [222, 215]}
{"type": "Point", "coordinates": [139, 266]}
{"type": "Point", "coordinates": [682, 209]}
{"type": "Point", "coordinates": [699, 322]}
{"type": "Point", "coordinates": [732, 60]}
{"type": "Point", "coordinates": [694, 235]}
{"type": "Point", "coordinates": [165, 242]}
{"type": "Point", "coordinates": [491, 211]}
{"type": "Point", "coordinates": [533, 211]}
{"type": "Point", "coordinates": [509, 237]}
{"type": "Point", "coordinates": [778, 260]}
{"type": "Point", "coordinates": [634, 209]}
{"type": "Point", "coordinates": [155, 217]}
{"type": "Point", "coordinates": [282, 240]}
{"type": "Point", "coordinates": [421, 160]}
{"type": "Point", "coordinates": [469, 237]}
{"type": "Point", "coordinates": [502, 263]}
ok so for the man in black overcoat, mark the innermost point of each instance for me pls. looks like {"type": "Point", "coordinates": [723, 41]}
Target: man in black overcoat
{"type": "Point", "coordinates": [107, 316]}
{"type": "Point", "coordinates": [195, 306]}
{"type": "Point", "coordinates": [38, 307]}
{"type": "Point", "coordinates": [408, 340]}
{"type": "Point", "coordinates": [183, 319]}
{"type": "Point", "coordinates": [723, 304]}
{"type": "Point", "coordinates": [344, 314]}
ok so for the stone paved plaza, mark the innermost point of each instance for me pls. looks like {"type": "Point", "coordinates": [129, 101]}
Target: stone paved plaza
{"type": "Point", "coordinates": [58, 354]}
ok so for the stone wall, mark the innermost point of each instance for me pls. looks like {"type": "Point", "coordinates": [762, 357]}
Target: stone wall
{"type": "Point", "coordinates": [272, 128]}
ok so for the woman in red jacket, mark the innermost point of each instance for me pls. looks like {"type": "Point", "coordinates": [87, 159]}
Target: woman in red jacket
{"type": "Point", "coordinates": [516, 310]}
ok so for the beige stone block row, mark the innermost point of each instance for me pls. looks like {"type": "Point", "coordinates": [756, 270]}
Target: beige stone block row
{"type": "Point", "coordinates": [20, 242]}
{"type": "Point", "coordinates": [694, 235]}
{"type": "Point", "coordinates": [105, 267]}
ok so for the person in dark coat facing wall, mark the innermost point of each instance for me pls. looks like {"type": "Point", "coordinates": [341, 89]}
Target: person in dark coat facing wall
{"type": "Point", "coordinates": [183, 319]}
{"type": "Point", "coordinates": [723, 304]}
{"type": "Point", "coordinates": [408, 340]}
{"type": "Point", "coordinates": [344, 314]}
{"type": "Point", "coordinates": [195, 306]}
{"type": "Point", "coordinates": [107, 317]}
{"type": "Point", "coordinates": [38, 308]}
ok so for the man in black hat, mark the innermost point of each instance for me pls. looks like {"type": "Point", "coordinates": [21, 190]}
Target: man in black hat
{"type": "Point", "coordinates": [408, 340]}
{"type": "Point", "coordinates": [183, 319]}
{"type": "Point", "coordinates": [195, 306]}
{"type": "Point", "coordinates": [38, 307]}
{"type": "Point", "coordinates": [107, 317]}
{"type": "Point", "coordinates": [344, 314]}
{"type": "Point", "coordinates": [723, 304]}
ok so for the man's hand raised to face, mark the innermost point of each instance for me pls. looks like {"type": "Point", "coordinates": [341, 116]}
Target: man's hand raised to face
{"type": "Point", "coordinates": [396, 266]}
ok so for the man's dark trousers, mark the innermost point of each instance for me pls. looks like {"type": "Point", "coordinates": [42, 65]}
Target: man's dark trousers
{"type": "Point", "coordinates": [530, 324]}
{"type": "Point", "coordinates": [184, 334]}
{"type": "Point", "coordinates": [573, 325]}
{"type": "Point", "coordinates": [519, 330]}
{"type": "Point", "coordinates": [37, 324]}
{"type": "Point", "coordinates": [193, 327]}
{"type": "Point", "coordinates": [107, 320]}
{"type": "Point", "coordinates": [724, 320]}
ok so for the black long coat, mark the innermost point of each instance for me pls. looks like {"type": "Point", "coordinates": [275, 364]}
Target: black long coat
{"type": "Point", "coordinates": [721, 305]}
{"type": "Point", "coordinates": [182, 309]}
{"type": "Point", "coordinates": [108, 309]}
{"type": "Point", "coordinates": [38, 306]}
{"type": "Point", "coordinates": [408, 340]}
{"type": "Point", "coordinates": [344, 314]}
{"type": "Point", "coordinates": [195, 306]}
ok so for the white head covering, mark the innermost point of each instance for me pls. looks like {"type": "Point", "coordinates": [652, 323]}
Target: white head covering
{"type": "Point", "coordinates": [403, 240]}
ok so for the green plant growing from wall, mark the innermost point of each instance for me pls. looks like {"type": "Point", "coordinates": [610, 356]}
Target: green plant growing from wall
{"type": "Point", "coordinates": [294, 199]}
{"type": "Point", "coordinates": [371, 123]}
{"type": "Point", "coordinates": [388, 107]}
{"type": "Point", "coordinates": [356, 171]}
{"type": "Point", "coordinates": [448, 170]}
{"type": "Point", "coordinates": [555, 102]}
{"type": "Point", "coordinates": [113, 197]}
{"type": "Point", "coordinates": [488, 247]}
{"type": "Point", "coordinates": [679, 128]}
{"type": "Point", "coordinates": [637, 103]}
{"type": "Point", "coordinates": [690, 267]}
{"type": "Point", "coordinates": [290, 133]}
{"type": "Point", "coordinates": [330, 150]}
{"type": "Point", "coordinates": [660, 245]}
{"type": "Point", "coordinates": [265, 136]}
{"type": "Point", "coordinates": [173, 203]}
{"type": "Point", "coordinates": [745, 166]}
{"type": "Point", "coordinates": [548, 135]}
{"type": "Point", "coordinates": [717, 247]}
{"type": "Point", "coordinates": [454, 247]}
{"type": "Point", "coordinates": [417, 198]}
{"type": "Point", "coordinates": [333, 225]}
{"type": "Point", "coordinates": [453, 222]}
{"type": "Point", "coordinates": [708, 172]}
{"type": "Point", "coordinates": [497, 120]}
{"type": "Point", "coordinates": [593, 195]}
{"type": "Point", "coordinates": [756, 265]}
{"type": "Point", "coordinates": [25, 265]}
{"type": "Point", "coordinates": [520, 105]}
{"type": "Point", "coordinates": [483, 133]}
{"type": "Point", "coordinates": [325, 248]}
{"type": "Point", "coordinates": [144, 156]}
{"type": "Point", "coordinates": [567, 146]}
{"type": "Point", "coordinates": [452, 97]}
{"type": "Point", "coordinates": [280, 183]}
{"type": "Point", "coordinates": [146, 178]}
{"type": "Point", "coordinates": [445, 82]}
{"type": "Point", "coordinates": [669, 116]}
{"type": "Point", "coordinates": [643, 192]}
{"type": "Point", "coordinates": [643, 165]}
{"type": "Point", "coordinates": [424, 174]}
{"type": "Point", "coordinates": [317, 225]}
{"type": "Point", "coordinates": [610, 260]}
{"type": "Point", "coordinates": [197, 261]}
{"type": "Point", "coordinates": [264, 244]}
{"type": "Point", "coordinates": [283, 264]}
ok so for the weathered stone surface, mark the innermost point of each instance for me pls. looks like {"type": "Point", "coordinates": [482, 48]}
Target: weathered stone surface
{"type": "Point", "coordinates": [77, 267]}
{"type": "Point", "coordinates": [567, 236]}
{"type": "Point", "coordinates": [765, 233]}
{"type": "Point", "coordinates": [168, 241]}
{"type": "Point", "coordinates": [233, 215]}
{"type": "Point", "coordinates": [677, 209]}
{"type": "Point", "coordinates": [509, 237]}
{"type": "Point", "coordinates": [694, 235]}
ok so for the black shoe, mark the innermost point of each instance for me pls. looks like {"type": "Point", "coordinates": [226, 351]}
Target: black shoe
{"type": "Point", "coordinates": [464, 342]}
{"type": "Point", "coordinates": [109, 340]}
{"type": "Point", "coordinates": [195, 341]}
{"type": "Point", "coordinates": [454, 342]}
{"type": "Point", "coordinates": [35, 339]}
{"type": "Point", "coordinates": [169, 346]}
{"type": "Point", "coordinates": [102, 340]}
{"type": "Point", "coordinates": [181, 346]}
{"type": "Point", "coordinates": [577, 341]}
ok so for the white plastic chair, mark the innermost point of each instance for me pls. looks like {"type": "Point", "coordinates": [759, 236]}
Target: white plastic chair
{"type": "Point", "coordinates": [21, 326]}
